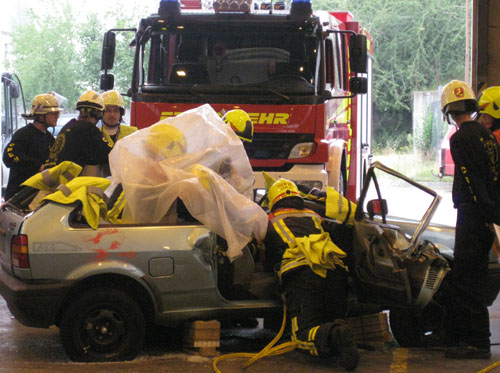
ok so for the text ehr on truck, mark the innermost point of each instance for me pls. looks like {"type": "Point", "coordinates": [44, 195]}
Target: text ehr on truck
{"type": "Point", "coordinates": [303, 77]}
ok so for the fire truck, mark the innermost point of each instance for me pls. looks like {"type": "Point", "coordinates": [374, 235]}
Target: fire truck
{"type": "Point", "coordinates": [304, 78]}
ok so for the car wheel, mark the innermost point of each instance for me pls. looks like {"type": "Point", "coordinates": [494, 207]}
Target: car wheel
{"type": "Point", "coordinates": [103, 325]}
{"type": "Point", "coordinates": [406, 327]}
{"type": "Point", "coordinates": [411, 328]}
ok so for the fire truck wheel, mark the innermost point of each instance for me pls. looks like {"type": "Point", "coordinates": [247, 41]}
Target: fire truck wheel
{"type": "Point", "coordinates": [103, 324]}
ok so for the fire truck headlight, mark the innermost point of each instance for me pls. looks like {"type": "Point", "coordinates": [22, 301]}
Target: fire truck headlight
{"type": "Point", "coordinates": [301, 150]}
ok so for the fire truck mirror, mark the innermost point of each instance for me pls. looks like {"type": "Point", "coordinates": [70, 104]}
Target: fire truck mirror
{"type": "Point", "coordinates": [358, 53]}
{"type": "Point", "coordinates": [107, 82]}
{"type": "Point", "coordinates": [358, 85]}
{"type": "Point", "coordinates": [108, 50]}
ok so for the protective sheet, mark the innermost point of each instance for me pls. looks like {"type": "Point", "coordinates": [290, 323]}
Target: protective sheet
{"type": "Point", "coordinates": [207, 168]}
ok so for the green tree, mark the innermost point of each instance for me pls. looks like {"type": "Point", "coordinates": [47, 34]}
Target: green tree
{"type": "Point", "coordinates": [418, 45]}
{"type": "Point", "coordinates": [44, 50]}
{"type": "Point", "coordinates": [55, 51]}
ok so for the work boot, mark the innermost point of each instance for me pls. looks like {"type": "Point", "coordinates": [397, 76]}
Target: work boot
{"type": "Point", "coordinates": [467, 352]}
{"type": "Point", "coordinates": [344, 346]}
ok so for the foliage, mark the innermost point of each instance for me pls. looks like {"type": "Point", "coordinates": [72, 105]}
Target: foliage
{"type": "Point", "coordinates": [45, 54]}
{"type": "Point", "coordinates": [418, 45]}
{"type": "Point", "coordinates": [427, 138]}
{"type": "Point", "coordinates": [56, 52]}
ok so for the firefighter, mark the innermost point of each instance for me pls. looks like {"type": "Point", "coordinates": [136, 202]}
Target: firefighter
{"type": "Point", "coordinates": [489, 104]}
{"type": "Point", "coordinates": [312, 274]}
{"type": "Point", "coordinates": [475, 153]}
{"type": "Point", "coordinates": [29, 148]}
{"type": "Point", "coordinates": [114, 109]}
{"type": "Point", "coordinates": [240, 123]}
{"type": "Point", "coordinates": [80, 141]}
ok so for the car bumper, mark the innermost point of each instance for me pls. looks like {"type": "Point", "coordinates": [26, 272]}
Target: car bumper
{"type": "Point", "coordinates": [32, 305]}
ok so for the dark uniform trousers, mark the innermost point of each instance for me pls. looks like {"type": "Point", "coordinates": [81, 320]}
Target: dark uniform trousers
{"type": "Point", "coordinates": [468, 319]}
{"type": "Point", "coordinates": [313, 304]}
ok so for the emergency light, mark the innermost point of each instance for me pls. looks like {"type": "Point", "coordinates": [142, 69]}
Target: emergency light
{"type": "Point", "coordinates": [301, 8]}
{"type": "Point", "coordinates": [169, 7]}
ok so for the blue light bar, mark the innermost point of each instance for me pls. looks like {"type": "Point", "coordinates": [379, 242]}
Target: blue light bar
{"type": "Point", "coordinates": [300, 8]}
{"type": "Point", "coordinates": [169, 7]}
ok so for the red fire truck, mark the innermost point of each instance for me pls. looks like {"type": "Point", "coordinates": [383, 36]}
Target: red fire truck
{"type": "Point", "coordinates": [303, 77]}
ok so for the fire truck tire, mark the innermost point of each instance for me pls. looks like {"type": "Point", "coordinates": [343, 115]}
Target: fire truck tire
{"type": "Point", "coordinates": [103, 324]}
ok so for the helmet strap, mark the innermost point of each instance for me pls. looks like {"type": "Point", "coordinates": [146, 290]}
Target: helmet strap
{"type": "Point", "coordinates": [40, 123]}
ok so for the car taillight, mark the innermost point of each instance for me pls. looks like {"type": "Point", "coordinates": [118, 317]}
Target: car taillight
{"type": "Point", "coordinates": [19, 249]}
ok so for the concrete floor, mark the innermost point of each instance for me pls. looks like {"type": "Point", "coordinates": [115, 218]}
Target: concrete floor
{"type": "Point", "coordinates": [31, 350]}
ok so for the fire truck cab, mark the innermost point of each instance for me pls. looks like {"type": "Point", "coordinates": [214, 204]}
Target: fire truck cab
{"type": "Point", "coordinates": [295, 72]}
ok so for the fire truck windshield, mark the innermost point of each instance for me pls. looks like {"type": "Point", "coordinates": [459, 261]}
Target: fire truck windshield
{"type": "Point", "coordinates": [217, 59]}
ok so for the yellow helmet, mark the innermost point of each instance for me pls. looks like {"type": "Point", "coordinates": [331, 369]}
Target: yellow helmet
{"type": "Point", "coordinates": [240, 122]}
{"type": "Point", "coordinates": [458, 96]}
{"type": "Point", "coordinates": [113, 98]}
{"type": "Point", "coordinates": [282, 188]}
{"type": "Point", "coordinates": [92, 103]}
{"type": "Point", "coordinates": [166, 140]}
{"type": "Point", "coordinates": [44, 104]}
{"type": "Point", "coordinates": [489, 102]}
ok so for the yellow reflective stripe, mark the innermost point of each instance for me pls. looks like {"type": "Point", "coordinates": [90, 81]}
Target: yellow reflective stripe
{"type": "Point", "coordinates": [291, 264]}
{"type": "Point", "coordinates": [305, 345]}
{"type": "Point", "coordinates": [284, 233]}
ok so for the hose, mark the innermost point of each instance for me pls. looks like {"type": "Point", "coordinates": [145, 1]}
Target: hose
{"type": "Point", "coordinates": [269, 350]}
{"type": "Point", "coordinates": [491, 367]}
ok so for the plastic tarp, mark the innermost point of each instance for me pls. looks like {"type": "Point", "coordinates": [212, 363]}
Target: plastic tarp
{"type": "Point", "coordinates": [207, 168]}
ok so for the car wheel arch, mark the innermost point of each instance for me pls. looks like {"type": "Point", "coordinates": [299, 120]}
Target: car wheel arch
{"type": "Point", "coordinates": [134, 288]}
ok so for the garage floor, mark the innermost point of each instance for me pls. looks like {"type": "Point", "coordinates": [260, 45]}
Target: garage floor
{"type": "Point", "coordinates": [30, 350]}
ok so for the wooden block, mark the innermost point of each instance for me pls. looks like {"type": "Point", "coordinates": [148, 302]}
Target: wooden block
{"type": "Point", "coordinates": [202, 337]}
{"type": "Point", "coordinates": [370, 328]}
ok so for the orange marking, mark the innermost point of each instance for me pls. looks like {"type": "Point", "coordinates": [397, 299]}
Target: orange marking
{"type": "Point", "coordinates": [114, 245]}
{"type": "Point", "coordinates": [97, 238]}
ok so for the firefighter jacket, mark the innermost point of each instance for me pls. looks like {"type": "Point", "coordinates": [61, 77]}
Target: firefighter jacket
{"type": "Point", "coordinates": [296, 238]}
{"type": "Point", "coordinates": [51, 178]}
{"type": "Point", "coordinates": [123, 131]}
{"type": "Point", "coordinates": [336, 206]}
{"type": "Point", "coordinates": [80, 142]}
{"type": "Point", "coordinates": [89, 191]}
{"type": "Point", "coordinates": [476, 155]}
{"type": "Point", "coordinates": [25, 154]}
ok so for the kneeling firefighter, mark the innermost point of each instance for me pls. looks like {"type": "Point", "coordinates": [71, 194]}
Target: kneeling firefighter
{"type": "Point", "coordinates": [313, 275]}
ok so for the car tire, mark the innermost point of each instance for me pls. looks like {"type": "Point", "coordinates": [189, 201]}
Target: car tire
{"type": "Point", "coordinates": [104, 324]}
{"type": "Point", "coordinates": [423, 328]}
{"type": "Point", "coordinates": [406, 327]}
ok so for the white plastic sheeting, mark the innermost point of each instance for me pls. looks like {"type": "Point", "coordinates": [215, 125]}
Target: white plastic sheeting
{"type": "Point", "coordinates": [212, 175]}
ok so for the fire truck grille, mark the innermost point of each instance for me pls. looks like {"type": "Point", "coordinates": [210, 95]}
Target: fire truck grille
{"type": "Point", "coordinates": [274, 145]}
